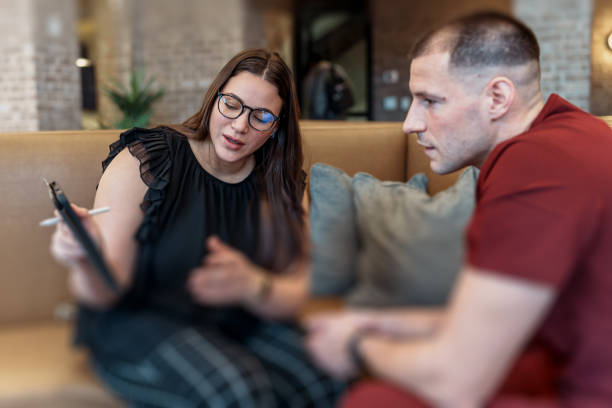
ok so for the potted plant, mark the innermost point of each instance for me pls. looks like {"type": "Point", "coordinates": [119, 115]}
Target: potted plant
{"type": "Point", "coordinates": [135, 101]}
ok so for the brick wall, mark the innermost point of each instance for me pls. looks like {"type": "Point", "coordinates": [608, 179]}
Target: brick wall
{"type": "Point", "coordinates": [18, 79]}
{"type": "Point", "coordinates": [112, 51]}
{"type": "Point", "coordinates": [563, 29]}
{"type": "Point", "coordinates": [58, 84]}
{"type": "Point", "coordinates": [601, 76]}
{"type": "Point", "coordinates": [184, 48]}
{"type": "Point", "coordinates": [39, 85]}
{"type": "Point", "coordinates": [181, 48]}
{"type": "Point", "coordinates": [270, 24]}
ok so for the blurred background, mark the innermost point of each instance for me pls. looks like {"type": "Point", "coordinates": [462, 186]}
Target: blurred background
{"type": "Point", "coordinates": [62, 60]}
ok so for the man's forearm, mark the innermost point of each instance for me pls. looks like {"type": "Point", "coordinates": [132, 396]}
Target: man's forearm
{"type": "Point", "coordinates": [487, 323]}
{"type": "Point", "coordinates": [409, 322]}
{"type": "Point", "coordinates": [414, 366]}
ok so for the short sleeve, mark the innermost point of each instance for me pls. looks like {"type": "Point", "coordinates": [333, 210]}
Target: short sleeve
{"type": "Point", "coordinates": [152, 148]}
{"type": "Point", "coordinates": [534, 215]}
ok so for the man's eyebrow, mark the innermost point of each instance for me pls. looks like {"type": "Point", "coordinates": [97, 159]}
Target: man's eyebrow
{"type": "Point", "coordinates": [423, 94]}
{"type": "Point", "coordinates": [427, 95]}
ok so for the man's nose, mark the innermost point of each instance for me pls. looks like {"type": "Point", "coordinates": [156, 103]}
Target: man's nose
{"type": "Point", "coordinates": [241, 123]}
{"type": "Point", "coordinates": [413, 122]}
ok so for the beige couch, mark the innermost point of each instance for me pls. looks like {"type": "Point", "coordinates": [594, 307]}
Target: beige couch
{"type": "Point", "coordinates": [38, 367]}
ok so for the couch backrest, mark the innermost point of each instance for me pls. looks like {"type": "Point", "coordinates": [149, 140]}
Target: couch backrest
{"type": "Point", "coordinates": [378, 148]}
{"type": "Point", "coordinates": [32, 284]}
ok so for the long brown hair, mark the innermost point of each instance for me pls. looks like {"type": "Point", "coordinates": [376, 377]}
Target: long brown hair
{"type": "Point", "coordinates": [278, 161]}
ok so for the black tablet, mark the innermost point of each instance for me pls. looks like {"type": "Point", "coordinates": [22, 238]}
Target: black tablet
{"type": "Point", "coordinates": [73, 221]}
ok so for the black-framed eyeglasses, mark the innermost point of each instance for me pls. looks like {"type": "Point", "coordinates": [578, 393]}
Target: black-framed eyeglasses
{"type": "Point", "coordinates": [232, 107]}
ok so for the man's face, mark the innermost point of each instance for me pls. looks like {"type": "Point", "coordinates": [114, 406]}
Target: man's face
{"type": "Point", "coordinates": [447, 116]}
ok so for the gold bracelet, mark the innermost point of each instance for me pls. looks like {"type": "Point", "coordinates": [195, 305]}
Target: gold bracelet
{"type": "Point", "coordinates": [265, 287]}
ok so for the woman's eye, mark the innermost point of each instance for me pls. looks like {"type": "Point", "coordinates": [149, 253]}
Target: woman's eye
{"type": "Point", "coordinates": [231, 104]}
{"type": "Point", "coordinates": [263, 116]}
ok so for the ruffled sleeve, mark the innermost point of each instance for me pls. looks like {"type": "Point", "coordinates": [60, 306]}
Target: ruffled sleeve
{"type": "Point", "coordinates": [152, 149]}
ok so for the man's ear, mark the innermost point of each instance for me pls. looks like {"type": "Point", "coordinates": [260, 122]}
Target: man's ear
{"type": "Point", "coordinates": [500, 93]}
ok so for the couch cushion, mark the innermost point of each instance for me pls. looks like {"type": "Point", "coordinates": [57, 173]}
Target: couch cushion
{"type": "Point", "coordinates": [40, 365]}
{"type": "Point", "coordinates": [333, 231]}
{"type": "Point", "coordinates": [64, 397]}
{"type": "Point", "coordinates": [412, 243]}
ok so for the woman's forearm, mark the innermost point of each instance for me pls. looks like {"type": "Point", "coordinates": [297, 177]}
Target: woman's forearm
{"type": "Point", "coordinates": [88, 287]}
{"type": "Point", "coordinates": [284, 295]}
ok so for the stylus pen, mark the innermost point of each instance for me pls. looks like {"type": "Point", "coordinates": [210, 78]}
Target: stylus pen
{"type": "Point", "coordinates": [52, 221]}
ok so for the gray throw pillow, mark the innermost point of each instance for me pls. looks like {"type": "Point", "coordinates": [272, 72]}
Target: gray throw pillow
{"type": "Point", "coordinates": [412, 243]}
{"type": "Point", "coordinates": [333, 231]}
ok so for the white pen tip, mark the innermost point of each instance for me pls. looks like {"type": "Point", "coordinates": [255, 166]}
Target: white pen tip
{"type": "Point", "coordinates": [49, 222]}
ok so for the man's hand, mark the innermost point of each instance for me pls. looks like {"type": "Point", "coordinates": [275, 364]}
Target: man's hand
{"type": "Point", "coordinates": [225, 277]}
{"type": "Point", "coordinates": [328, 341]}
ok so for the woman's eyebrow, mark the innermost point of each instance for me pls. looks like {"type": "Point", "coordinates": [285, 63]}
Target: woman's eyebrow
{"type": "Point", "coordinates": [252, 107]}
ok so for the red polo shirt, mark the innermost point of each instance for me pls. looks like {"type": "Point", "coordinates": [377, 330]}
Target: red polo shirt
{"type": "Point", "coordinates": [544, 214]}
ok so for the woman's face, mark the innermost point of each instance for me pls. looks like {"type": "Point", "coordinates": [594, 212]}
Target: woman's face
{"type": "Point", "coordinates": [235, 139]}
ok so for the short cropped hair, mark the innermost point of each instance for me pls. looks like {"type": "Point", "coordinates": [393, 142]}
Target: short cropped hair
{"type": "Point", "coordinates": [484, 39]}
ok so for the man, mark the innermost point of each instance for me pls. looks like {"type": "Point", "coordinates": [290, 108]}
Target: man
{"type": "Point", "coordinates": [531, 315]}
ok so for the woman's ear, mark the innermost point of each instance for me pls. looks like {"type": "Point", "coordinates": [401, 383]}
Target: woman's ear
{"type": "Point", "coordinates": [500, 93]}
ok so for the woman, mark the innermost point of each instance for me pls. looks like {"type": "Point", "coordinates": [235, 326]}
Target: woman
{"type": "Point", "coordinates": [207, 237]}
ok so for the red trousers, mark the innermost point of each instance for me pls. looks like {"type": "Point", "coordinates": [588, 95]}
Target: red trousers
{"type": "Point", "coordinates": [530, 384]}
{"type": "Point", "coordinates": [369, 394]}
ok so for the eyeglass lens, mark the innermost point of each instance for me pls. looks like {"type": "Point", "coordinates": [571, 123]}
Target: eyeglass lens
{"type": "Point", "coordinates": [259, 118]}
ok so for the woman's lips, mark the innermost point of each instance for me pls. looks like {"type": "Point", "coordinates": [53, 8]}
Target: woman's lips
{"type": "Point", "coordinates": [232, 143]}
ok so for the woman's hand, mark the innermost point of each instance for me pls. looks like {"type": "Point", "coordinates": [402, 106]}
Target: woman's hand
{"type": "Point", "coordinates": [64, 246]}
{"type": "Point", "coordinates": [225, 277]}
{"type": "Point", "coordinates": [84, 281]}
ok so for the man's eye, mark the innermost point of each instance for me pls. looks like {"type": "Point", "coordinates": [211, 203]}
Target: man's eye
{"type": "Point", "coordinates": [428, 102]}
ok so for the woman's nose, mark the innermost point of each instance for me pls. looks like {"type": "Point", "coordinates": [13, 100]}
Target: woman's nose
{"type": "Point", "coordinates": [241, 123]}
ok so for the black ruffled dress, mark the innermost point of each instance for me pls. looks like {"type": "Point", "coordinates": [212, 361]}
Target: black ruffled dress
{"type": "Point", "coordinates": [183, 206]}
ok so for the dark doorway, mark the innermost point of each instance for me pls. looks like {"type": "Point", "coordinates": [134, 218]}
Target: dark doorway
{"type": "Point", "coordinates": [337, 32]}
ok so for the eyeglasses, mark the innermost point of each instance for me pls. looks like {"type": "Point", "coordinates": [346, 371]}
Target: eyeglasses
{"type": "Point", "coordinates": [259, 118]}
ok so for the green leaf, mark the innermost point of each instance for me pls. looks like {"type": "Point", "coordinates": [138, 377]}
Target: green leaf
{"type": "Point", "coordinates": [135, 101]}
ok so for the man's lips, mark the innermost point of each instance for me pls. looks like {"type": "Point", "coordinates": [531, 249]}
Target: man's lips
{"type": "Point", "coordinates": [426, 147]}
